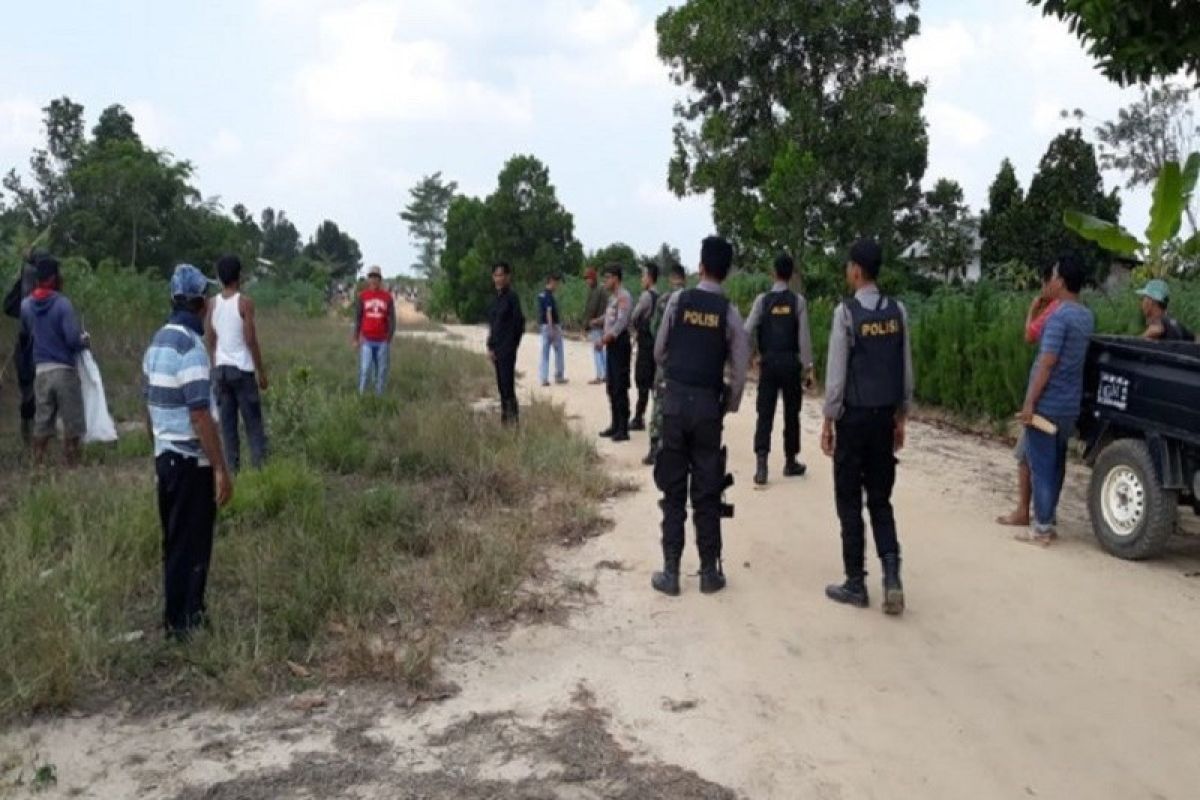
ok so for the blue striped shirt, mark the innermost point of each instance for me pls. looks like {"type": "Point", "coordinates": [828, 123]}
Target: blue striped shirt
{"type": "Point", "coordinates": [175, 371]}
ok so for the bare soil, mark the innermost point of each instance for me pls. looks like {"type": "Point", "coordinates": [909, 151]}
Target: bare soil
{"type": "Point", "coordinates": [1016, 672]}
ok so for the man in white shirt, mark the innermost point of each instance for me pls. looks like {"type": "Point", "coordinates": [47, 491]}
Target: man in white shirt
{"type": "Point", "coordinates": [238, 373]}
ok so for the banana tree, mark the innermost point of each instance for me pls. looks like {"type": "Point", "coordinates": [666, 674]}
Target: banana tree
{"type": "Point", "coordinates": [1162, 252]}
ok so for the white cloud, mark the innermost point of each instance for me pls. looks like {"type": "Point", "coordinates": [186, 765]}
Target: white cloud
{"type": "Point", "coordinates": [939, 53]}
{"type": "Point", "coordinates": [962, 127]}
{"type": "Point", "coordinates": [605, 22]}
{"type": "Point", "coordinates": [151, 124]}
{"type": "Point", "coordinates": [367, 74]}
{"type": "Point", "coordinates": [20, 124]}
{"type": "Point", "coordinates": [226, 144]}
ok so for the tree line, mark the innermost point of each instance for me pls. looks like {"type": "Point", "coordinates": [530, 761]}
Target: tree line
{"type": "Point", "coordinates": [106, 197]}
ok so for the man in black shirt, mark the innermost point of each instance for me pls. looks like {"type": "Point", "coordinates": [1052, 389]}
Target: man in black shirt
{"type": "Point", "coordinates": [506, 324]}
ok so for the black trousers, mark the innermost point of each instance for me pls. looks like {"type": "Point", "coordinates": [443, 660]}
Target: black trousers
{"type": "Point", "coordinates": [779, 374]}
{"type": "Point", "coordinates": [26, 374]}
{"type": "Point", "coordinates": [690, 462]}
{"type": "Point", "coordinates": [506, 383]}
{"type": "Point", "coordinates": [187, 508]}
{"type": "Point", "coordinates": [643, 375]}
{"type": "Point", "coordinates": [864, 461]}
{"type": "Point", "coordinates": [620, 353]}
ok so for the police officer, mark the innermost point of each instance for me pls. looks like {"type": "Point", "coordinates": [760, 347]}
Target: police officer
{"type": "Point", "coordinates": [868, 390]}
{"type": "Point", "coordinates": [780, 320]}
{"type": "Point", "coordinates": [641, 321]}
{"type": "Point", "coordinates": [701, 332]}
{"type": "Point", "coordinates": [618, 351]}
{"type": "Point", "coordinates": [678, 279]}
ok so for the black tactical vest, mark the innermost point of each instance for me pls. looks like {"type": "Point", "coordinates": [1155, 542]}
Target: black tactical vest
{"type": "Point", "coordinates": [1175, 331]}
{"type": "Point", "coordinates": [779, 328]}
{"type": "Point", "coordinates": [875, 378]}
{"type": "Point", "coordinates": [696, 347]}
{"type": "Point", "coordinates": [645, 335]}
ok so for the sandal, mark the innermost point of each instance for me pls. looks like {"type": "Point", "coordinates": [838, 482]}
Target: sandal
{"type": "Point", "coordinates": [1038, 539]}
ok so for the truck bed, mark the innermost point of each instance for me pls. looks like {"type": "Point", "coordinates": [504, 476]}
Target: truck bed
{"type": "Point", "coordinates": [1143, 387]}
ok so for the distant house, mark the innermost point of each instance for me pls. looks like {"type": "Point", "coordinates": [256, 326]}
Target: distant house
{"type": "Point", "coordinates": [918, 253]}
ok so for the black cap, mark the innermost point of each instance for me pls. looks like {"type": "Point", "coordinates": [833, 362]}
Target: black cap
{"type": "Point", "coordinates": [869, 255]}
{"type": "Point", "coordinates": [614, 269]}
{"type": "Point", "coordinates": [47, 268]}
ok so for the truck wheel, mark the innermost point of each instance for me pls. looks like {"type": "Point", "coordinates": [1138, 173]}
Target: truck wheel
{"type": "Point", "coordinates": [1132, 515]}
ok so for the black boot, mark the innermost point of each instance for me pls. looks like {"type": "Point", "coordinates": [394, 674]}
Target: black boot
{"type": "Point", "coordinates": [760, 474]}
{"type": "Point", "coordinates": [621, 430]}
{"type": "Point", "coordinates": [853, 592]}
{"type": "Point", "coordinates": [667, 581]}
{"type": "Point", "coordinates": [712, 577]}
{"type": "Point", "coordinates": [893, 590]}
{"type": "Point", "coordinates": [652, 456]}
{"type": "Point", "coordinates": [793, 468]}
{"type": "Point", "coordinates": [637, 424]}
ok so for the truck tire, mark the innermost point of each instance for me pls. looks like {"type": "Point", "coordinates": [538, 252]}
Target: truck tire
{"type": "Point", "coordinates": [1133, 517]}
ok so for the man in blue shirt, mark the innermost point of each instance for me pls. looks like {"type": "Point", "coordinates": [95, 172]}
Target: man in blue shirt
{"type": "Point", "coordinates": [552, 336]}
{"type": "Point", "coordinates": [192, 477]}
{"type": "Point", "coordinates": [1056, 395]}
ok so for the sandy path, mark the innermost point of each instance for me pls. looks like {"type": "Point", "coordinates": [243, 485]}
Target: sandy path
{"type": "Point", "coordinates": [1016, 672]}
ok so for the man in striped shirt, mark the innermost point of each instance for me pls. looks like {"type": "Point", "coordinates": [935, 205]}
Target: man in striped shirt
{"type": "Point", "coordinates": [192, 477]}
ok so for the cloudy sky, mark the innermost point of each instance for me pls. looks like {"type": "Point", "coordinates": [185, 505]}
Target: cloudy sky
{"type": "Point", "coordinates": [332, 109]}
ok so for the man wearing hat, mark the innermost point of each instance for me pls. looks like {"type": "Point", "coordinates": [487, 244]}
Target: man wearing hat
{"type": "Point", "coordinates": [593, 322]}
{"type": "Point", "coordinates": [374, 329]}
{"type": "Point", "coordinates": [1161, 326]}
{"type": "Point", "coordinates": [49, 319]}
{"type": "Point", "coordinates": [191, 474]}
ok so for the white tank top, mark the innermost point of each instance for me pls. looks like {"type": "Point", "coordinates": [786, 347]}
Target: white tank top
{"type": "Point", "coordinates": [231, 336]}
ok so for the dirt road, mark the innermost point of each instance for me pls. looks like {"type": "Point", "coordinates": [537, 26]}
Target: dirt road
{"type": "Point", "coordinates": [1016, 672]}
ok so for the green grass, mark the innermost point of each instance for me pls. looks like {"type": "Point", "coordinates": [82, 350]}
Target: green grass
{"type": "Point", "coordinates": [379, 525]}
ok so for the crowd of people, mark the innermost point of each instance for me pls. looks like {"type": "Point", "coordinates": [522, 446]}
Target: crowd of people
{"type": "Point", "coordinates": [690, 362]}
{"type": "Point", "coordinates": [203, 371]}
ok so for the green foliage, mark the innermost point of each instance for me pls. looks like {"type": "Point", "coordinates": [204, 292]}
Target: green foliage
{"type": "Point", "coordinates": [335, 250]}
{"type": "Point", "coordinates": [521, 222]}
{"type": "Point", "coordinates": [948, 231]}
{"type": "Point", "coordinates": [1134, 41]}
{"type": "Point", "coordinates": [1003, 226]}
{"type": "Point", "coordinates": [425, 216]}
{"type": "Point", "coordinates": [1067, 178]}
{"type": "Point", "coordinates": [615, 253]}
{"type": "Point", "coordinates": [801, 122]}
{"type": "Point", "coordinates": [1160, 126]}
{"type": "Point", "coordinates": [1162, 252]}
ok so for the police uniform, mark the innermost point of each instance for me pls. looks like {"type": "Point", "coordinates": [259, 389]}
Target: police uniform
{"type": "Point", "coordinates": [701, 332]}
{"type": "Point", "coordinates": [643, 372]}
{"type": "Point", "coordinates": [869, 383]}
{"type": "Point", "coordinates": [779, 321]}
{"type": "Point", "coordinates": [619, 353]}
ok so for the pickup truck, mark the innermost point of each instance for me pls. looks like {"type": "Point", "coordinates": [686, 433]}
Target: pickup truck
{"type": "Point", "coordinates": [1141, 430]}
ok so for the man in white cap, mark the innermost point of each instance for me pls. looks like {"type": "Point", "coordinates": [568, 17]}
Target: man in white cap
{"type": "Point", "coordinates": [1161, 326]}
{"type": "Point", "coordinates": [374, 328]}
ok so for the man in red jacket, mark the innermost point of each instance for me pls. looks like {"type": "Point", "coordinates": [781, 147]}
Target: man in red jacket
{"type": "Point", "coordinates": [374, 327]}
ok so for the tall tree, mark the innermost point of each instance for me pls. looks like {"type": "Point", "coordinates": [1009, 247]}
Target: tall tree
{"type": "Point", "coordinates": [426, 218]}
{"type": "Point", "coordinates": [801, 122]}
{"type": "Point", "coordinates": [115, 124]}
{"type": "Point", "coordinates": [42, 203]}
{"type": "Point", "coordinates": [1135, 41]}
{"type": "Point", "coordinates": [336, 249]}
{"type": "Point", "coordinates": [1068, 177]}
{"type": "Point", "coordinates": [615, 253]}
{"type": "Point", "coordinates": [280, 238]}
{"type": "Point", "coordinates": [948, 230]}
{"type": "Point", "coordinates": [461, 285]}
{"type": "Point", "coordinates": [666, 257]}
{"type": "Point", "coordinates": [526, 225]}
{"type": "Point", "coordinates": [1002, 226]}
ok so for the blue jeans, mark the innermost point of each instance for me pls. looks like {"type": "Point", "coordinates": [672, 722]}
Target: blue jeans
{"type": "Point", "coordinates": [1047, 455]}
{"type": "Point", "coordinates": [552, 339]}
{"type": "Point", "coordinates": [599, 355]}
{"type": "Point", "coordinates": [373, 357]}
